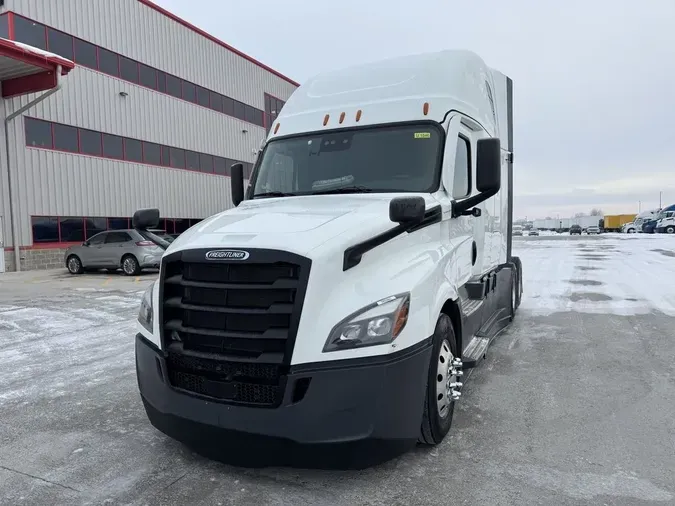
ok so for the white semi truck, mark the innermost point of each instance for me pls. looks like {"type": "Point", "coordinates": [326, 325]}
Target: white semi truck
{"type": "Point", "coordinates": [366, 267]}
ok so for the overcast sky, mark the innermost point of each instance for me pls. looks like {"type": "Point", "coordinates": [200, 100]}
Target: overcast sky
{"type": "Point", "coordinates": [594, 81]}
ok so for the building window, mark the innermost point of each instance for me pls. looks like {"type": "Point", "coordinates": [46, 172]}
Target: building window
{"type": "Point", "coordinates": [217, 102]}
{"type": "Point", "coordinates": [118, 223]}
{"type": "Point", "coordinates": [45, 229]}
{"type": "Point", "coordinates": [128, 69]}
{"type": "Point", "coordinates": [85, 54]}
{"type": "Point", "coordinates": [189, 92]}
{"type": "Point", "coordinates": [152, 153]}
{"type": "Point", "coordinates": [205, 163]}
{"type": "Point", "coordinates": [38, 133]}
{"type": "Point", "coordinates": [4, 26]}
{"type": "Point", "coordinates": [113, 146]}
{"type": "Point", "coordinates": [108, 62]}
{"type": "Point", "coordinates": [220, 166]}
{"type": "Point", "coordinates": [97, 230]}
{"type": "Point", "coordinates": [94, 226]}
{"type": "Point", "coordinates": [461, 186]}
{"type": "Point", "coordinates": [65, 138]}
{"type": "Point", "coordinates": [71, 229]}
{"type": "Point", "coordinates": [90, 142]}
{"type": "Point", "coordinates": [48, 135]}
{"type": "Point", "coordinates": [177, 158]}
{"type": "Point", "coordinates": [29, 32]}
{"type": "Point", "coordinates": [60, 43]}
{"type": "Point", "coordinates": [166, 156]}
{"type": "Point", "coordinates": [228, 106]}
{"type": "Point", "coordinates": [173, 86]}
{"type": "Point", "coordinates": [148, 76]}
{"type": "Point", "coordinates": [133, 150]}
{"type": "Point", "coordinates": [161, 82]}
{"type": "Point", "coordinates": [239, 110]}
{"type": "Point", "coordinates": [191, 160]}
{"type": "Point", "coordinates": [203, 96]}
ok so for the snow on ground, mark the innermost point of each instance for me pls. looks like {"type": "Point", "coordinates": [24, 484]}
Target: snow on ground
{"type": "Point", "coordinates": [71, 338]}
{"type": "Point", "coordinates": [612, 273]}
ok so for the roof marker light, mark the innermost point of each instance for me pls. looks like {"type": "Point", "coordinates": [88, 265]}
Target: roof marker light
{"type": "Point", "coordinates": [425, 109]}
{"type": "Point", "coordinates": [276, 128]}
{"type": "Point", "coordinates": [325, 119]}
{"type": "Point", "coordinates": [342, 117]}
{"type": "Point", "coordinates": [358, 115]}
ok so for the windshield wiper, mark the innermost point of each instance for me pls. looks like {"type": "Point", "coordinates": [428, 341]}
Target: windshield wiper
{"type": "Point", "coordinates": [344, 189]}
{"type": "Point", "coordinates": [273, 194]}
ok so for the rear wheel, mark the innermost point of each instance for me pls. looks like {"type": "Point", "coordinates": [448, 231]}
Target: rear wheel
{"type": "Point", "coordinates": [439, 405]}
{"type": "Point", "coordinates": [670, 230]}
{"type": "Point", "coordinates": [130, 265]}
{"type": "Point", "coordinates": [74, 265]}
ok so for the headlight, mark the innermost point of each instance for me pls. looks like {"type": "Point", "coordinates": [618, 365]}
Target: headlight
{"type": "Point", "coordinates": [378, 323]}
{"type": "Point", "coordinates": [145, 313]}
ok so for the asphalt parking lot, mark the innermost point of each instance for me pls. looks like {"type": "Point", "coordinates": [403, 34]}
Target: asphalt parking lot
{"type": "Point", "coordinates": [575, 403]}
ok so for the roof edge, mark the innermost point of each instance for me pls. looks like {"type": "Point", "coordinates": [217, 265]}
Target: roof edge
{"type": "Point", "coordinates": [34, 56]}
{"type": "Point", "coordinates": [207, 35]}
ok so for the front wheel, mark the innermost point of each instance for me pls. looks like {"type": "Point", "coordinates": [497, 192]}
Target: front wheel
{"type": "Point", "coordinates": [439, 403]}
{"type": "Point", "coordinates": [670, 230]}
{"type": "Point", "coordinates": [74, 265]}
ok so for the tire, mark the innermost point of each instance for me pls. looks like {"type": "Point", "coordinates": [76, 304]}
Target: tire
{"type": "Point", "coordinates": [74, 264]}
{"type": "Point", "coordinates": [631, 231]}
{"type": "Point", "coordinates": [130, 265]}
{"type": "Point", "coordinates": [670, 230]}
{"type": "Point", "coordinates": [438, 413]}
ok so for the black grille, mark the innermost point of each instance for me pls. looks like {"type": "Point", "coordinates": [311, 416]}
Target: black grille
{"type": "Point", "coordinates": [229, 325]}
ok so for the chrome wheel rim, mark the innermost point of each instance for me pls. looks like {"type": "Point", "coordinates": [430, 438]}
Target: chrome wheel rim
{"type": "Point", "coordinates": [444, 378]}
{"type": "Point", "coordinates": [128, 265]}
{"type": "Point", "coordinates": [73, 265]}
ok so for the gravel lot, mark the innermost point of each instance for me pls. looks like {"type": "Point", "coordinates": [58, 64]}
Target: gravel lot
{"type": "Point", "coordinates": [574, 405]}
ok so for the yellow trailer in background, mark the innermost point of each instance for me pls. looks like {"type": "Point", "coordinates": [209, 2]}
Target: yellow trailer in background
{"type": "Point", "coordinates": [614, 222]}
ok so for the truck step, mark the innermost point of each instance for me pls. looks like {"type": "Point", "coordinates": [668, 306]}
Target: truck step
{"type": "Point", "coordinates": [475, 352]}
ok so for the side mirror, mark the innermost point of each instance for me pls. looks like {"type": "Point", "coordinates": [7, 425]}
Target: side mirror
{"type": "Point", "coordinates": [145, 218]}
{"type": "Point", "coordinates": [488, 177]}
{"type": "Point", "coordinates": [237, 182]}
{"type": "Point", "coordinates": [407, 210]}
{"type": "Point", "coordinates": [488, 165]}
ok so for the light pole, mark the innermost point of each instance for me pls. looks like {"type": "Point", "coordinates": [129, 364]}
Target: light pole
{"type": "Point", "coordinates": [660, 194]}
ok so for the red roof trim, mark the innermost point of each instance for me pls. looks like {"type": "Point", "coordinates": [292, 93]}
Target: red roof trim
{"type": "Point", "coordinates": [201, 32]}
{"type": "Point", "coordinates": [16, 51]}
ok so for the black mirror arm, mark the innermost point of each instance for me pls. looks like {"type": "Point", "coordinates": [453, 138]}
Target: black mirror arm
{"type": "Point", "coordinates": [460, 208]}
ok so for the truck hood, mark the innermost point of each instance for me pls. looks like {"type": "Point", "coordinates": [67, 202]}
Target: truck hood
{"type": "Point", "coordinates": [296, 224]}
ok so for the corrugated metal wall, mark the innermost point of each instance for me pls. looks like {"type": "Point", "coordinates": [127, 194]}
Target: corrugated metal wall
{"type": "Point", "coordinates": [52, 183]}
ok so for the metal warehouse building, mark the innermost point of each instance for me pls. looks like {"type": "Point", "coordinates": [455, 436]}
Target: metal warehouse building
{"type": "Point", "coordinates": [153, 113]}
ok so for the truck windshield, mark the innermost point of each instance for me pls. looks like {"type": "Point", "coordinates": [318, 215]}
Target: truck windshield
{"type": "Point", "coordinates": [402, 158]}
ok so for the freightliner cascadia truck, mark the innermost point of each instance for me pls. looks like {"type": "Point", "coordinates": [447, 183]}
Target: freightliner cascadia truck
{"type": "Point", "coordinates": [359, 277]}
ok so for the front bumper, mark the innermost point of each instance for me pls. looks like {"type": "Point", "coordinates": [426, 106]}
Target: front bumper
{"type": "Point", "coordinates": [376, 399]}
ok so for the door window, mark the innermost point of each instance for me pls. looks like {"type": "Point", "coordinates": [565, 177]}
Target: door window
{"type": "Point", "coordinates": [98, 239]}
{"type": "Point", "coordinates": [462, 182]}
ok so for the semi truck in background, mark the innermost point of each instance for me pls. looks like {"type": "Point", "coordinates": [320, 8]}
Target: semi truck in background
{"type": "Point", "coordinates": [366, 268]}
{"type": "Point", "coordinates": [649, 225]}
{"type": "Point", "coordinates": [635, 226]}
{"type": "Point", "coordinates": [615, 222]}
{"type": "Point", "coordinates": [665, 223]}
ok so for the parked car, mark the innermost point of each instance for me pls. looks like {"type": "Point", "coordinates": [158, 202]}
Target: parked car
{"type": "Point", "coordinates": [517, 230]}
{"type": "Point", "coordinates": [593, 230]}
{"type": "Point", "coordinates": [575, 229]}
{"type": "Point", "coordinates": [534, 231]}
{"type": "Point", "coordinates": [114, 249]}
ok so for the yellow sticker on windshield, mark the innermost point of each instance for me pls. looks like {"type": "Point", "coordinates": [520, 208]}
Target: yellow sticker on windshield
{"type": "Point", "coordinates": [422, 135]}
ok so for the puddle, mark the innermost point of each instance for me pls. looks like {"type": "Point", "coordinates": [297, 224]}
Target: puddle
{"type": "Point", "coordinates": [594, 257]}
{"type": "Point", "coordinates": [665, 252]}
{"type": "Point", "coordinates": [592, 296]}
{"type": "Point", "coordinates": [631, 299]}
{"type": "Point", "coordinates": [585, 282]}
